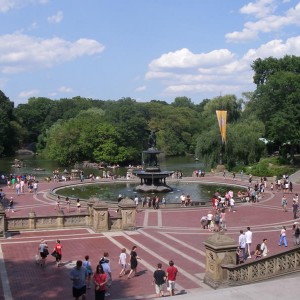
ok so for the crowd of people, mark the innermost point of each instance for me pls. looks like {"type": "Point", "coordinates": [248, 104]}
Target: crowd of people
{"type": "Point", "coordinates": [84, 276]}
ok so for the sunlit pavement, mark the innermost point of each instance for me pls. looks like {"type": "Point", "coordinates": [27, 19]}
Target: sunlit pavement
{"type": "Point", "coordinates": [161, 235]}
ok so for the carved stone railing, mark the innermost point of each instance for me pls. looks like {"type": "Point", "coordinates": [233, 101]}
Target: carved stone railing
{"type": "Point", "coordinates": [264, 268]}
{"type": "Point", "coordinates": [96, 217]}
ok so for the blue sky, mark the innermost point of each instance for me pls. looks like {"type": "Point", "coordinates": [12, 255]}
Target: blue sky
{"type": "Point", "coordinates": [143, 49]}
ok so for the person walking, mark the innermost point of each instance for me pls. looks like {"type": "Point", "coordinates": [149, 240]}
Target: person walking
{"type": "Point", "coordinates": [11, 205]}
{"type": "Point", "coordinates": [296, 231]}
{"type": "Point", "coordinates": [68, 204]}
{"type": "Point", "coordinates": [248, 236]}
{"type": "Point", "coordinates": [159, 278]}
{"type": "Point", "coordinates": [58, 250]}
{"type": "Point", "coordinates": [295, 208]}
{"type": "Point", "coordinates": [284, 203]}
{"type": "Point", "coordinates": [18, 188]}
{"type": "Point", "coordinates": [100, 280]}
{"type": "Point", "coordinates": [223, 219]}
{"type": "Point", "coordinates": [43, 252]}
{"type": "Point", "coordinates": [104, 261]}
{"type": "Point", "coordinates": [35, 187]}
{"type": "Point", "coordinates": [282, 239]}
{"type": "Point", "coordinates": [172, 272]}
{"type": "Point", "coordinates": [133, 261]}
{"type": "Point", "coordinates": [242, 244]}
{"type": "Point", "coordinates": [123, 262]}
{"type": "Point", "coordinates": [78, 205]}
{"type": "Point", "coordinates": [87, 264]}
{"type": "Point", "coordinates": [57, 204]}
{"type": "Point", "coordinates": [78, 275]}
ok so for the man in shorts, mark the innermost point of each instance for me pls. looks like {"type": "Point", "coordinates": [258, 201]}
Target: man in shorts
{"type": "Point", "coordinates": [171, 277]}
{"type": "Point", "coordinates": [78, 275]}
{"type": "Point", "coordinates": [159, 278]}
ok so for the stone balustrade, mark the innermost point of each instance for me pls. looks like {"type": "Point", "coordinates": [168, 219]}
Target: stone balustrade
{"type": "Point", "coordinates": [222, 270]}
{"type": "Point", "coordinates": [272, 266]}
{"type": "Point", "coordinates": [97, 217]}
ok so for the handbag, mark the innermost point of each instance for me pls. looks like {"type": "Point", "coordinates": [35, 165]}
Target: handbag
{"type": "Point", "coordinates": [54, 254]}
{"type": "Point", "coordinates": [46, 252]}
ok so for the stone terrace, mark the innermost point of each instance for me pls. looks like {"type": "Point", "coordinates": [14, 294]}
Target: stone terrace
{"type": "Point", "coordinates": [161, 235]}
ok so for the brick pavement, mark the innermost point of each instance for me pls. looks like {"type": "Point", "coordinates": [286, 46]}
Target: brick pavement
{"type": "Point", "coordinates": [161, 235]}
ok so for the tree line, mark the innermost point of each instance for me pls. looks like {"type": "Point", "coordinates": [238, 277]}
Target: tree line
{"type": "Point", "coordinates": [116, 131]}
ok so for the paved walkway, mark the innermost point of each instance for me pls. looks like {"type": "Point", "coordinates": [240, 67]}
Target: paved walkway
{"type": "Point", "coordinates": [161, 235]}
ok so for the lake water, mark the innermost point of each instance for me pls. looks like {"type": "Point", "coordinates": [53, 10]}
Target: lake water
{"type": "Point", "coordinates": [184, 164]}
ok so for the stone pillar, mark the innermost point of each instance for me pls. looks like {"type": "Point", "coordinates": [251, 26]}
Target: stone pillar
{"type": "Point", "coordinates": [31, 220]}
{"type": "Point", "coordinates": [100, 216]}
{"type": "Point", "coordinates": [60, 218]}
{"type": "Point", "coordinates": [127, 209]}
{"type": "Point", "coordinates": [220, 249]}
{"type": "Point", "coordinates": [90, 205]}
{"type": "Point", "coordinates": [2, 222]}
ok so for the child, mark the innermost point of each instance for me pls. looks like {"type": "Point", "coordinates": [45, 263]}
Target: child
{"type": "Point", "coordinates": [87, 264]}
{"type": "Point", "coordinates": [122, 262]}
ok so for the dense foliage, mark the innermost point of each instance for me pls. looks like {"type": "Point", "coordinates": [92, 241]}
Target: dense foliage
{"type": "Point", "coordinates": [78, 129]}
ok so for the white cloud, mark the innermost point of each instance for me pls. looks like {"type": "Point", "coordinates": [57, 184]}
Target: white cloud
{"type": "Point", "coordinates": [6, 5]}
{"type": "Point", "coordinates": [64, 89]}
{"type": "Point", "coordinates": [57, 18]}
{"type": "Point", "coordinates": [28, 94]}
{"type": "Point", "coordinates": [226, 76]}
{"type": "Point", "coordinates": [20, 52]}
{"type": "Point", "coordinates": [184, 58]}
{"type": "Point", "coordinates": [140, 88]}
{"type": "Point", "coordinates": [266, 23]}
{"type": "Point", "coordinates": [259, 8]}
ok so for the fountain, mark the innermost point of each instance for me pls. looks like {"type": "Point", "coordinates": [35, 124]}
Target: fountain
{"type": "Point", "coordinates": [152, 178]}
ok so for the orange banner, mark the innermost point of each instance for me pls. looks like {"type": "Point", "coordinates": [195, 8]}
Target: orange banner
{"type": "Point", "coordinates": [222, 117]}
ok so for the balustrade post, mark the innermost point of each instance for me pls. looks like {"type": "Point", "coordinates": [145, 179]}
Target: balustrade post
{"type": "Point", "coordinates": [127, 209]}
{"type": "Point", "coordinates": [219, 249]}
{"type": "Point", "coordinates": [32, 220]}
{"type": "Point", "coordinates": [100, 216]}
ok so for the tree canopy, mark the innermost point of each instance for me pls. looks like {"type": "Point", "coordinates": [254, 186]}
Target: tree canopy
{"type": "Point", "coordinates": [116, 131]}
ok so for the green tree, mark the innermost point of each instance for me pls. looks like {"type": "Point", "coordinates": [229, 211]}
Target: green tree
{"type": "Point", "coordinates": [276, 100]}
{"type": "Point", "coordinates": [8, 127]}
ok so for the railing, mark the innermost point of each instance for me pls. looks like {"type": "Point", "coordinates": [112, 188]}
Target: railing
{"type": "Point", "coordinates": [265, 268]}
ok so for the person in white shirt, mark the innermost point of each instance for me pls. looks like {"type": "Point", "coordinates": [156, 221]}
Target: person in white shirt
{"type": "Point", "coordinates": [248, 235]}
{"type": "Point", "coordinates": [231, 203]}
{"type": "Point", "coordinates": [242, 244]}
{"type": "Point", "coordinates": [263, 248]}
{"type": "Point", "coordinates": [123, 262]}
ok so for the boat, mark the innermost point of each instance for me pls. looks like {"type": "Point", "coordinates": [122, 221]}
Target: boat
{"type": "Point", "coordinates": [38, 169]}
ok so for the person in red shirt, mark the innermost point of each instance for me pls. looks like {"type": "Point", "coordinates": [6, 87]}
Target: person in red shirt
{"type": "Point", "coordinates": [100, 280]}
{"type": "Point", "coordinates": [171, 277]}
{"type": "Point", "coordinates": [58, 250]}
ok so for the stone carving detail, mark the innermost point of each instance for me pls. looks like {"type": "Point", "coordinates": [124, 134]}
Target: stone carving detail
{"type": "Point", "coordinates": [265, 268]}
{"type": "Point", "coordinates": [211, 262]}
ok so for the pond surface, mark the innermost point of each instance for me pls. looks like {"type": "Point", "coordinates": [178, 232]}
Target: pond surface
{"type": "Point", "coordinates": [110, 191]}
